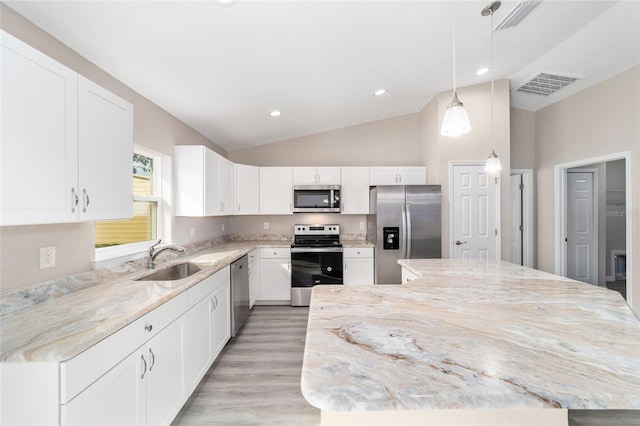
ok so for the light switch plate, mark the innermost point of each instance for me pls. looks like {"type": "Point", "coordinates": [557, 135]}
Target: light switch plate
{"type": "Point", "coordinates": [266, 225]}
{"type": "Point", "coordinates": [47, 257]}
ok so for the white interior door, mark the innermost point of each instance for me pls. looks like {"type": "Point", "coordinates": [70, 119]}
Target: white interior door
{"type": "Point", "coordinates": [581, 231]}
{"type": "Point", "coordinates": [474, 207]}
{"type": "Point", "coordinates": [515, 231]}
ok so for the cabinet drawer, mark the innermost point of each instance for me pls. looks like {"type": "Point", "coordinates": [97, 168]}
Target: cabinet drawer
{"type": "Point", "coordinates": [206, 286]}
{"type": "Point", "coordinates": [358, 252]}
{"type": "Point", "coordinates": [275, 253]}
{"type": "Point", "coordinates": [85, 368]}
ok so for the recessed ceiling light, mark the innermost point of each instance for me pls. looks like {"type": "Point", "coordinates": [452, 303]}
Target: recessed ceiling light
{"type": "Point", "coordinates": [379, 92]}
{"type": "Point", "coordinates": [275, 113]}
{"type": "Point", "coordinates": [226, 2]}
{"type": "Point", "coordinates": [482, 71]}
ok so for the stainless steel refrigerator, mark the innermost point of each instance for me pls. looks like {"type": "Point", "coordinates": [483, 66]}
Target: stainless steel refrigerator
{"type": "Point", "coordinates": [404, 223]}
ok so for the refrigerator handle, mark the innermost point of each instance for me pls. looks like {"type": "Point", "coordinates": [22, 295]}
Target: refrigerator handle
{"type": "Point", "coordinates": [404, 233]}
{"type": "Point", "coordinates": [408, 228]}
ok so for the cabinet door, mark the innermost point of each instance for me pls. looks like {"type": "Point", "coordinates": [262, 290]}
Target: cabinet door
{"type": "Point", "coordinates": [354, 190]}
{"type": "Point", "coordinates": [275, 279]}
{"type": "Point", "coordinates": [358, 271]}
{"type": "Point", "coordinates": [225, 186]}
{"type": "Point", "coordinates": [328, 175]}
{"type": "Point", "coordinates": [254, 277]}
{"type": "Point", "coordinates": [105, 150]}
{"type": "Point", "coordinates": [407, 276]}
{"type": "Point", "coordinates": [189, 178]}
{"type": "Point", "coordinates": [117, 398]}
{"type": "Point", "coordinates": [247, 184]}
{"type": "Point", "coordinates": [276, 190]}
{"type": "Point", "coordinates": [212, 200]}
{"type": "Point", "coordinates": [221, 318]}
{"type": "Point", "coordinates": [383, 176]}
{"type": "Point", "coordinates": [199, 333]}
{"type": "Point", "coordinates": [166, 387]}
{"type": "Point", "coordinates": [304, 176]}
{"type": "Point", "coordinates": [412, 175]}
{"type": "Point", "coordinates": [38, 163]}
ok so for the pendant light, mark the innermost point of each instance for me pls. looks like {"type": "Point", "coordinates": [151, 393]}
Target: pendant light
{"type": "Point", "coordinates": [492, 165]}
{"type": "Point", "coordinates": [455, 121]}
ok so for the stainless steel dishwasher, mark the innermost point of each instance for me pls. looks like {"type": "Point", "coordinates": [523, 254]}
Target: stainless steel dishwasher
{"type": "Point", "coordinates": [239, 293]}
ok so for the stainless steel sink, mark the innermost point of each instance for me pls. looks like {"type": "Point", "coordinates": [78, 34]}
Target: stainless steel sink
{"type": "Point", "coordinates": [172, 273]}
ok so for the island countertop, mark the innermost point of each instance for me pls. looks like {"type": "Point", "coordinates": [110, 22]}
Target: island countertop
{"type": "Point", "coordinates": [471, 334]}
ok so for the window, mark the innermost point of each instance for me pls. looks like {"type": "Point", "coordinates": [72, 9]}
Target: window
{"type": "Point", "coordinates": [114, 238]}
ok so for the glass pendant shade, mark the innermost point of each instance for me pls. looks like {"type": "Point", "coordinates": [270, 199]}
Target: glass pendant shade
{"type": "Point", "coordinates": [493, 165]}
{"type": "Point", "coordinates": [456, 119]}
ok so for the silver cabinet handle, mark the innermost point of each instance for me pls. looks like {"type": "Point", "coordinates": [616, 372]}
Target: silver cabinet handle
{"type": "Point", "coordinates": [458, 242]}
{"type": "Point", "coordinates": [288, 266]}
{"type": "Point", "coordinates": [144, 371]}
{"type": "Point", "coordinates": [74, 200]}
{"type": "Point", "coordinates": [86, 200]}
{"type": "Point", "coordinates": [148, 327]}
{"type": "Point", "coordinates": [153, 359]}
{"type": "Point", "coordinates": [345, 265]}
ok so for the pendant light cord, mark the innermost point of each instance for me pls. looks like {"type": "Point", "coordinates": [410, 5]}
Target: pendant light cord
{"type": "Point", "coordinates": [491, 59]}
{"type": "Point", "coordinates": [453, 31]}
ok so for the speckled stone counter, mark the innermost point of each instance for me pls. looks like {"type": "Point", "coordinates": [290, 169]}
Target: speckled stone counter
{"type": "Point", "coordinates": [62, 327]}
{"type": "Point", "coordinates": [470, 342]}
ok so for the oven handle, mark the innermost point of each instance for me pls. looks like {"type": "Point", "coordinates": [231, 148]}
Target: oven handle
{"type": "Point", "coordinates": [316, 250]}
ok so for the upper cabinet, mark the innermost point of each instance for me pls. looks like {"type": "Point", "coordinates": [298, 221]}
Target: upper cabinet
{"type": "Point", "coordinates": [316, 175]}
{"type": "Point", "coordinates": [247, 189]}
{"type": "Point", "coordinates": [204, 182]}
{"type": "Point", "coordinates": [276, 190]}
{"type": "Point", "coordinates": [355, 190]}
{"type": "Point", "coordinates": [398, 175]}
{"type": "Point", "coordinates": [75, 163]}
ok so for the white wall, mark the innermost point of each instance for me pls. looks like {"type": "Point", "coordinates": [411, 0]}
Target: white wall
{"type": "Point", "coordinates": [598, 121]}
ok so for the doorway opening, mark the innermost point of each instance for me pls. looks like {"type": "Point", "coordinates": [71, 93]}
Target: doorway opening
{"type": "Point", "coordinates": [521, 231]}
{"type": "Point", "coordinates": [610, 226]}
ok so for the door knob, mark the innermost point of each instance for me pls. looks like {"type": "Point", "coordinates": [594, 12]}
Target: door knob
{"type": "Point", "coordinates": [458, 242]}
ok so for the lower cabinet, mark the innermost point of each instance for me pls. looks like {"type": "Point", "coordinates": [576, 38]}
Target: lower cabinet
{"type": "Point", "coordinates": [407, 276]}
{"type": "Point", "coordinates": [147, 387]}
{"type": "Point", "coordinates": [275, 275]}
{"type": "Point", "coordinates": [358, 266]}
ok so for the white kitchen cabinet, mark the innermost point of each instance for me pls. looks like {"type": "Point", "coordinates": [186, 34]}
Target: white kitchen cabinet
{"type": "Point", "coordinates": [204, 182]}
{"type": "Point", "coordinates": [354, 190]}
{"type": "Point", "coordinates": [275, 275]}
{"type": "Point", "coordinates": [276, 190]}
{"type": "Point", "coordinates": [225, 186]}
{"type": "Point", "coordinates": [105, 152]}
{"type": "Point", "coordinates": [408, 175]}
{"type": "Point", "coordinates": [75, 164]}
{"type": "Point", "coordinates": [254, 277]}
{"type": "Point", "coordinates": [147, 387]}
{"type": "Point", "coordinates": [358, 266]}
{"type": "Point", "coordinates": [407, 276]}
{"type": "Point", "coordinates": [316, 176]}
{"type": "Point", "coordinates": [208, 324]}
{"type": "Point", "coordinates": [247, 189]}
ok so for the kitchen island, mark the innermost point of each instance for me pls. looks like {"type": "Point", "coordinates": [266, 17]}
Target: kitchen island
{"type": "Point", "coordinates": [469, 342]}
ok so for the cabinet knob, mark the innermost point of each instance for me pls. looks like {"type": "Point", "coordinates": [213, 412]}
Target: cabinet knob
{"type": "Point", "coordinates": [148, 327]}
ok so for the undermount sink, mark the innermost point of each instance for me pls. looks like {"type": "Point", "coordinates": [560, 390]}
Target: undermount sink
{"type": "Point", "coordinates": [172, 273]}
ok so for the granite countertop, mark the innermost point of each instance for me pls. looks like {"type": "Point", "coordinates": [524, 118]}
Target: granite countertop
{"type": "Point", "coordinates": [471, 334]}
{"type": "Point", "coordinates": [62, 327]}
{"type": "Point", "coordinates": [356, 244]}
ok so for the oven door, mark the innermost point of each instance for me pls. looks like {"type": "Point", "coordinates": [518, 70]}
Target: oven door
{"type": "Point", "coordinates": [316, 266]}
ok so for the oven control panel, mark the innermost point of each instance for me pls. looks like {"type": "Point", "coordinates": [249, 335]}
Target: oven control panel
{"type": "Point", "coordinates": [316, 229]}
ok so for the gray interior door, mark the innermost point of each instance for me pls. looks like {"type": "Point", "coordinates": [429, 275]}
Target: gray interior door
{"type": "Point", "coordinates": [582, 253]}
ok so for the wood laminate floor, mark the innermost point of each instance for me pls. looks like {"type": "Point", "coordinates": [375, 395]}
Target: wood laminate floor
{"type": "Point", "coordinates": [256, 380]}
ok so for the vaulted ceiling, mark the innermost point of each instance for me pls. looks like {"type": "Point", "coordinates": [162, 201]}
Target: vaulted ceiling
{"type": "Point", "coordinates": [223, 68]}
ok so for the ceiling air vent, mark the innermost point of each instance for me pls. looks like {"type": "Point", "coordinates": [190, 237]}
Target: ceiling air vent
{"type": "Point", "coordinates": [546, 84]}
{"type": "Point", "coordinates": [517, 14]}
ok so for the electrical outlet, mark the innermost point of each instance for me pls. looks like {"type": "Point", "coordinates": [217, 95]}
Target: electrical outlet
{"type": "Point", "coordinates": [192, 231]}
{"type": "Point", "coordinates": [266, 225]}
{"type": "Point", "coordinates": [223, 227]}
{"type": "Point", "coordinates": [361, 225]}
{"type": "Point", "coordinates": [47, 257]}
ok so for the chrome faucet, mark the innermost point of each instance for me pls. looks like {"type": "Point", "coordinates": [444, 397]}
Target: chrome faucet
{"type": "Point", "coordinates": [153, 253]}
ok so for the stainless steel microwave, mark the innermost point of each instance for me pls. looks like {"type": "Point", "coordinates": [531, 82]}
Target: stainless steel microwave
{"type": "Point", "coordinates": [316, 199]}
